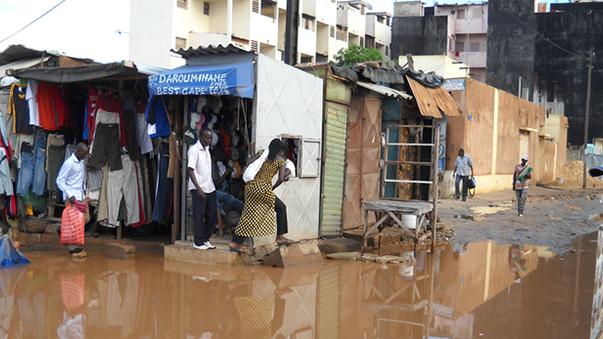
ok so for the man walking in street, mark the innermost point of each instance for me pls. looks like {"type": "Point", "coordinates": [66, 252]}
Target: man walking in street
{"type": "Point", "coordinates": [463, 170]}
{"type": "Point", "coordinates": [203, 191]}
{"type": "Point", "coordinates": [521, 176]}
{"type": "Point", "coordinates": [71, 182]}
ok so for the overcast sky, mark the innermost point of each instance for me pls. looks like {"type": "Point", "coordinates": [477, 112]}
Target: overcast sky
{"type": "Point", "coordinates": [85, 28]}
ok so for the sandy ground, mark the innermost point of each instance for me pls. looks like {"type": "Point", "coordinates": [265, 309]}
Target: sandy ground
{"type": "Point", "coordinates": [553, 217]}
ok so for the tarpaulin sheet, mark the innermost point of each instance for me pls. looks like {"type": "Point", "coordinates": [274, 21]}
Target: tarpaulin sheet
{"type": "Point", "coordinates": [234, 79]}
{"type": "Point", "coordinates": [9, 255]}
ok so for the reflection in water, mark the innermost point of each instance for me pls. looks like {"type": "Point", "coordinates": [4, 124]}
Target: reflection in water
{"type": "Point", "coordinates": [596, 331]}
{"type": "Point", "coordinates": [466, 291]}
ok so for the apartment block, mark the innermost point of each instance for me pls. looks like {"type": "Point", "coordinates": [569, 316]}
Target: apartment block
{"type": "Point", "coordinates": [325, 27]}
{"type": "Point", "coordinates": [379, 32]}
{"type": "Point", "coordinates": [456, 31]}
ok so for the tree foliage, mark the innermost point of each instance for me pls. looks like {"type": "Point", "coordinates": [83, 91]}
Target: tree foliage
{"type": "Point", "coordinates": [357, 54]}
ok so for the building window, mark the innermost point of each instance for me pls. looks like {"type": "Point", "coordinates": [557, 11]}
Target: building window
{"type": "Point", "coordinates": [361, 41]}
{"type": "Point", "coordinates": [460, 13]}
{"type": "Point", "coordinates": [460, 46]}
{"type": "Point", "coordinates": [476, 13]}
{"type": "Point", "coordinates": [206, 8]}
{"type": "Point", "coordinates": [342, 34]}
{"type": "Point", "coordinates": [380, 19]}
{"type": "Point", "coordinates": [308, 22]}
{"type": "Point", "coordinates": [182, 3]}
{"type": "Point", "coordinates": [306, 59]}
{"type": "Point", "coordinates": [255, 6]}
{"type": "Point", "coordinates": [180, 43]}
{"type": "Point", "coordinates": [474, 47]}
{"type": "Point", "coordinates": [332, 31]}
{"type": "Point", "coordinates": [269, 9]}
{"type": "Point", "coordinates": [387, 50]}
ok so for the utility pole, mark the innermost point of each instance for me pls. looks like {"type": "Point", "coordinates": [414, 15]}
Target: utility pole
{"type": "Point", "coordinates": [291, 32]}
{"type": "Point", "coordinates": [587, 114]}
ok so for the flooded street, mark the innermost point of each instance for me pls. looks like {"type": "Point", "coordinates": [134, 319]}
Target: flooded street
{"type": "Point", "coordinates": [480, 290]}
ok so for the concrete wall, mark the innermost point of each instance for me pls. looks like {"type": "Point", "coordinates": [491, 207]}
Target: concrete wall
{"type": "Point", "coordinates": [419, 36]}
{"type": "Point", "coordinates": [511, 32]}
{"type": "Point", "coordinates": [489, 130]}
{"type": "Point", "coordinates": [514, 51]}
{"type": "Point", "coordinates": [408, 8]}
{"type": "Point", "coordinates": [151, 32]}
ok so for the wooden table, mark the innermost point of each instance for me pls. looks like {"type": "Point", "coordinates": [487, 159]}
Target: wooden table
{"type": "Point", "coordinates": [385, 210]}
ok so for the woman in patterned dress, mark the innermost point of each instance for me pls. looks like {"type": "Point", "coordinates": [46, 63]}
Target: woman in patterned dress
{"type": "Point", "coordinates": [258, 218]}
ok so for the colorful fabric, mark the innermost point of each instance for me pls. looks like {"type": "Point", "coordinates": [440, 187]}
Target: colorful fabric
{"type": "Point", "coordinates": [258, 218]}
{"type": "Point", "coordinates": [51, 107]}
{"type": "Point", "coordinates": [521, 173]}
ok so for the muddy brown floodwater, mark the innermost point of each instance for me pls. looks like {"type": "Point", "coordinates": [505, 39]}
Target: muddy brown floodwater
{"type": "Point", "coordinates": [480, 290]}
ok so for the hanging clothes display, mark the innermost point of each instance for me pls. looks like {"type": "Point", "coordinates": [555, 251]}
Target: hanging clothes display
{"type": "Point", "coordinates": [51, 107]}
{"type": "Point", "coordinates": [123, 184]}
{"type": "Point", "coordinates": [19, 109]}
{"type": "Point", "coordinates": [32, 102]}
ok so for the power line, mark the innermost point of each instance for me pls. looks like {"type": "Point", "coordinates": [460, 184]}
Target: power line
{"type": "Point", "coordinates": [546, 39]}
{"type": "Point", "coordinates": [31, 23]}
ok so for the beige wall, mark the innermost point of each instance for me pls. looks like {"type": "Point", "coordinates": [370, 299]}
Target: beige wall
{"type": "Point", "coordinates": [489, 130]}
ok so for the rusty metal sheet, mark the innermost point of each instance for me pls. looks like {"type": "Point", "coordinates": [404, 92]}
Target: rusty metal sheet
{"type": "Point", "coordinates": [433, 101]}
{"type": "Point", "coordinates": [363, 155]}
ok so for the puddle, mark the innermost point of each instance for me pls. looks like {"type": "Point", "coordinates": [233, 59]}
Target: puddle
{"type": "Point", "coordinates": [476, 290]}
{"type": "Point", "coordinates": [492, 209]}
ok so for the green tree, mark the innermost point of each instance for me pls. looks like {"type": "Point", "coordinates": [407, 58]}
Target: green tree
{"type": "Point", "coordinates": [357, 54]}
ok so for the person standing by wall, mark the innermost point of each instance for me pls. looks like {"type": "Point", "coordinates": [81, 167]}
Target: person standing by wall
{"type": "Point", "coordinates": [203, 191]}
{"type": "Point", "coordinates": [463, 170]}
{"type": "Point", "coordinates": [70, 181]}
{"type": "Point", "coordinates": [521, 177]}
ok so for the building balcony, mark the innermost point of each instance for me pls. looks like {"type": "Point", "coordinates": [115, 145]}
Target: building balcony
{"type": "Point", "coordinates": [382, 33]}
{"type": "Point", "coordinates": [326, 12]}
{"type": "Point", "coordinates": [307, 42]}
{"type": "Point", "coordinates": [471, 26]}
{"type": "Point", "coordinates": [473, 59]}
{"type": "Point", "coordinates": [351, 18]}
{"type": "Point", "coordinates": [263, 29]}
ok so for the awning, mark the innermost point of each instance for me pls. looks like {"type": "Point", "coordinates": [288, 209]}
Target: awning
{"type": "Point", "coordinates": [20, 64]}
{"type": "Point", "coordinates": [433, 101]}
{"type": "Point", "coordinates": [116, 71]}
{"type": "Point", "coordinates": [224, 79]}
{"type": "Point", "coordinates": [386, 91]}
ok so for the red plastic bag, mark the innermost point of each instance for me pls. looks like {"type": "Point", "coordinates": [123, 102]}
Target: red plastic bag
{"type": "Point", "coordinates": [72, 226]}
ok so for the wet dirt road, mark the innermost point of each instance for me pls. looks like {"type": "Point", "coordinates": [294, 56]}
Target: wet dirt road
{"type": "Point", "coordinates": [480, 290]}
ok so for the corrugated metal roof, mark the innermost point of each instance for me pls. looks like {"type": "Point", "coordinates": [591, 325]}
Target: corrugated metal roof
{"type": "Point", "coordinates": [389, 92]}
{"type": "Point", "coordinates": [433, 100]}
{"type": "Point", "coordinates": [21, 64]}
{"type": "Point", "coordinates": [210, 50]}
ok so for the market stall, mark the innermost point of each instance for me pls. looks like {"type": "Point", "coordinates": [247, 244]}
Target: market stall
{"type": "Point", "coordinates": [247, 100]}
{"type": "Point", "coordinates": [51, 109]}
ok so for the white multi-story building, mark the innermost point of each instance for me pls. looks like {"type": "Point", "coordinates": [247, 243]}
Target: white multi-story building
{"type": "Point", "coordinates": [156, 26]}
{"type": "Point", "coordinates": [379, 32]}
{"type": "Point", "coordinates": [466, 32]}
{"type": "Point", "coordinates": [468, 26]}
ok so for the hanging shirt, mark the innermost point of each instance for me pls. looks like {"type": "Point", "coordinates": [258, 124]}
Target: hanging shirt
{"type": "Point", "coordinates": [71, 178]}
{"type": "Point", "coordinates": [142, 133]}
{"type": "Point", "coordinates": [199, 159]}
{"type": "Point", "coordinates": [19, 109]}
{"type": "Point", "coordinates": [32, 101]}
{"type": "Point", "coordinates": [157, 117]}
{"type": "Point", "coordinates": [52, 110]}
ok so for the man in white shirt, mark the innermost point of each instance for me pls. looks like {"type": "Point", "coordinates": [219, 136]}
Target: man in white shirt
{"type": "Point", "coordinates": [463, 171]}
{"type": "Point", "coordinates": [203, 191]}
{"type": "Point", "coordinates": [71, 181]}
